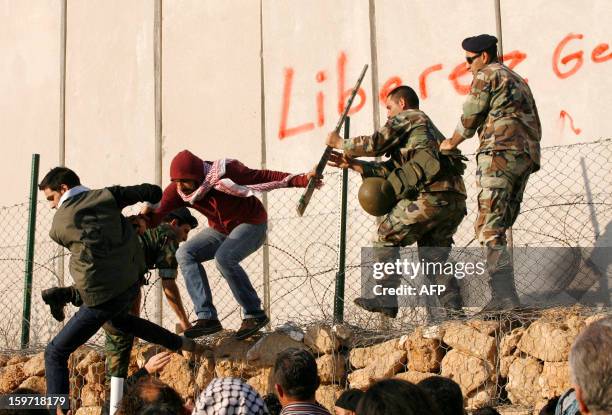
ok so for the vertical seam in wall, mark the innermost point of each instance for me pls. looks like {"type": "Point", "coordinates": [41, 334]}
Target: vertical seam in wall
{"type": "Point", "coordinates": [157, 80]}
{"type": "Point", "coordinates": [374, 59]}
{"type": "Point", "coordinates": [62, 117]}
{"type": "Point", "coordinates": [262, 97]}
{"type": "Point", "coordinates": [262, 90]}
{"type": "Point", "coordinates": [62, 103]}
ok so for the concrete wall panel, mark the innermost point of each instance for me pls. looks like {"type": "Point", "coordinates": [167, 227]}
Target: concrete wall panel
{"type": "Point", "coordinates": [109, 91]}
{"type": "Point", "coordinates": [211, 80]}
{"type": "Point", "coordinates": [312, 50]}
{"type": "Point", "coordinates": [29, 90]}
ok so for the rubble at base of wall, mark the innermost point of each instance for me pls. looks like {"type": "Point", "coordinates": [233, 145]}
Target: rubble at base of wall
{"type": "Point", "coordinates": [515, 368]}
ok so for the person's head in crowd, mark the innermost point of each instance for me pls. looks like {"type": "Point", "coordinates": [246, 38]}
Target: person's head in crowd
{"type": "Point", "coordinates": [445, 392]}
{"type": "Point", "coordinates": [295, 375]}
{"type": "Point", "coordinates": [591, 368]}
{"type": "Point", "coordinates": [273, 404]}
{"type": "Point", "coordinates": [346, 404]}
{"type": "Point", "coordinates": [550, 407]}
{"type": "Point", "coordinates": [153, 395]}
{"type": "Point", "coordinates": [487, 410]}
{"type": "Point", "coordinates": [182, 221]}
{"type": "Point", "coordinates": [396, 397]}
{"type": "Point", "coordinates": [229, 396]}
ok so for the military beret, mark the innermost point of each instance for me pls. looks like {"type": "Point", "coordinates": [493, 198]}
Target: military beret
{"type": "Point", "coordinates": [477, 44]}
{"type": "Point", "coordinates": [184, 216]}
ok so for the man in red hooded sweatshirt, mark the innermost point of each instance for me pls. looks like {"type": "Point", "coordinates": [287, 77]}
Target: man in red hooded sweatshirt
{"type": "Point", "coordinates": [223, 191]}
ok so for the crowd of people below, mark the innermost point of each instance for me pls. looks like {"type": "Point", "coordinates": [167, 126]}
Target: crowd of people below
{"type": "Point", "coordinates": [296, 381]}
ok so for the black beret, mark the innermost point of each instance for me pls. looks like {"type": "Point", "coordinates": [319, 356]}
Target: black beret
{"type": "Point", "coordinates": [477, 44]}
{"type": "Point", "coordinates": [184, 216]}
{"type": "Point", "coordinates": [349, 399]}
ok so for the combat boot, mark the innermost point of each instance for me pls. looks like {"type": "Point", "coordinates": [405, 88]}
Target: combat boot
{"type": "Point", "coordinates": [56, 298]}
{"type": "Point", "coordinates": [377, 305]}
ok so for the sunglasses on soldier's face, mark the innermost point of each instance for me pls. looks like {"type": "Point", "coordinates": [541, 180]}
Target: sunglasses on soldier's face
{"type": "Point", "coordinates": [471, 59]}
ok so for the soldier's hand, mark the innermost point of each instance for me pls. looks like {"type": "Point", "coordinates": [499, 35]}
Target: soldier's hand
{"type": "Point", "coordinates": [157, 362]}
{"type": "Point", "coordinates": [447, 145]}
{"type": "Point", "coordinates": [342, 161]}
{"type": "Point", "coordinates": [333, 140]}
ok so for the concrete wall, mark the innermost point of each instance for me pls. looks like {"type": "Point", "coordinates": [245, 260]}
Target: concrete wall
{"type": "Point", "coordinates": [231, 67]}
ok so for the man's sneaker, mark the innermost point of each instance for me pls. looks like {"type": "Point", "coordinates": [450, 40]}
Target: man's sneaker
{"type": "Point", "coordinates": [375, 305]}
{"type": "Point", "coordinates": [202, 327]}
{"type": "Point", "coordinates": [57, 298]}
{"type": "Point", "coordinates": [251, 326]}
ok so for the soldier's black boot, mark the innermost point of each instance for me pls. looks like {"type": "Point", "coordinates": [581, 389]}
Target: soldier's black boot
{"type": "Point", "coordinates": [501, 280]}
{"type": "Point", "coordinates": [56, 298]}
{"type": "Point", "coordinates": [386, 306]}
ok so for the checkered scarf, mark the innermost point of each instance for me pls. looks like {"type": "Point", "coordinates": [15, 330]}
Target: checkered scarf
{"type": "Point", "coordinates": [229, 396]}
{"type": "Point", "coordinates": [213, 180]}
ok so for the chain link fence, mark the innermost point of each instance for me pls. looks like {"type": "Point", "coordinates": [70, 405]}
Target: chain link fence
{"type": "Point", "coordinates": [568, 203]}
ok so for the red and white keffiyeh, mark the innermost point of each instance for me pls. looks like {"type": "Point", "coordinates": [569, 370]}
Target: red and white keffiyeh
{"type": "Point", "coordinates": [213, 179]}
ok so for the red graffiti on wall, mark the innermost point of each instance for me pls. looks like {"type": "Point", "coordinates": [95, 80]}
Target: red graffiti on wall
{"type": "Point", "coordinates": [564, 65]}
{"type": "Point", "coordinates": [576, 58]}
{"type": "Point", "coordinates": [562, 115]}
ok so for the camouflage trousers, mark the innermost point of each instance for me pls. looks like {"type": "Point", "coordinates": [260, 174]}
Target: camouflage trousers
{"type": "Point", "coordinates": [431, 220]}
{"type": "Point", "coordinates": [118, 348]}
{"type": "Point", "coordinates": [501, 177]}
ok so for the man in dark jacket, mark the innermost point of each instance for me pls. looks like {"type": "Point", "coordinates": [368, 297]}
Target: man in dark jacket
{"type": "Point", "coordinates": [223, 191]}
{"type": "Point", "coordinates": [105, 263]}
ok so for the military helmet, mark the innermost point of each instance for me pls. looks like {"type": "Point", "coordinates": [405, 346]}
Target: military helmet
{"type": "Point", "coordinates": [376, 196]}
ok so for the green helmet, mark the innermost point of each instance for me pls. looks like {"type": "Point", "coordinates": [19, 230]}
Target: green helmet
{"type": "Point", "coordinates": [376, 196]}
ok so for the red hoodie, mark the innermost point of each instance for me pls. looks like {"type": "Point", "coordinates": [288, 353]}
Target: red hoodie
{"type": "Point", "coordinates": [224, 211]}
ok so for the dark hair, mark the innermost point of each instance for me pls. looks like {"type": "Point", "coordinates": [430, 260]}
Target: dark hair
{"type": "Point", "coordinates": [183, 216]}
{"type": "Point", "coordinates": [492, 52]}
{"type": "Point", "coordinates": [407, 93]}
{"type": "Point", "coordinates": [396, 397]}
{"type": "Point", "coordinates": [295, 370]}
{"type": "Point", "coordinates": [349, 399]}
{"type": "Point", "coordinates": [487, 410]}
{"type": "Point", "coordinates": [152, 395]}
{"type": "Point", "coordinates": [273, 404]}
{"type": "Point", "coordinates": [550, 407]}
{"type": "Point", "coordinates": [445, 392]}
{"type": "Point", "coordinates": [58, 176]}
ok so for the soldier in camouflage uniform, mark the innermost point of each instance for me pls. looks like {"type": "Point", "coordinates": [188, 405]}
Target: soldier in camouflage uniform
{"type": "Point", "coordinates": [159, 247]}
{"type": "Point", "coordinates": [501, 108]}
{"type": "Point", "coordinates": [428, 186]}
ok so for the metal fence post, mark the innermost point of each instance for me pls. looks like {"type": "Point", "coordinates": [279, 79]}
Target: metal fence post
{"type": "Point", "coordinates": [340, 275]}
{"type": "Point", "coordinates": [27, 287]}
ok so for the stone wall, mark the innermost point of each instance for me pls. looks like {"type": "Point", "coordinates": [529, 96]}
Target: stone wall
{"type": "Point", "coordinates": [517, 364]}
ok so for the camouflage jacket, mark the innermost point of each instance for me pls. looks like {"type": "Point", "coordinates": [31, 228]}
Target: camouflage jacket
{"type": "Point", "coordinates": [159, 246]}
{"type": "Point", "coordinates": [501, 108]}
{"type": "Point", "coordinates": [408, 131]}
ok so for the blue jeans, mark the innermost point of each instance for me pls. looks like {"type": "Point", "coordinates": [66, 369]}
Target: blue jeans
{"type": "Point", "coordinates": [86, 322]}
{"type": "Point", "coordinates": [227, 251]}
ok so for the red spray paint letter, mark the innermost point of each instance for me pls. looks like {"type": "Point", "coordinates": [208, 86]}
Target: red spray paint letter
{"type": "Point", "coordinates": [576, 56]}
{"type": "Point", "coordinates": [343, 93]}
{"type": "Point", "coordinates": [564, 115]}
{"type": "Point", "coordinates": [423, 79]}
{"type": "Point", "coordinates": [283, 131]}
